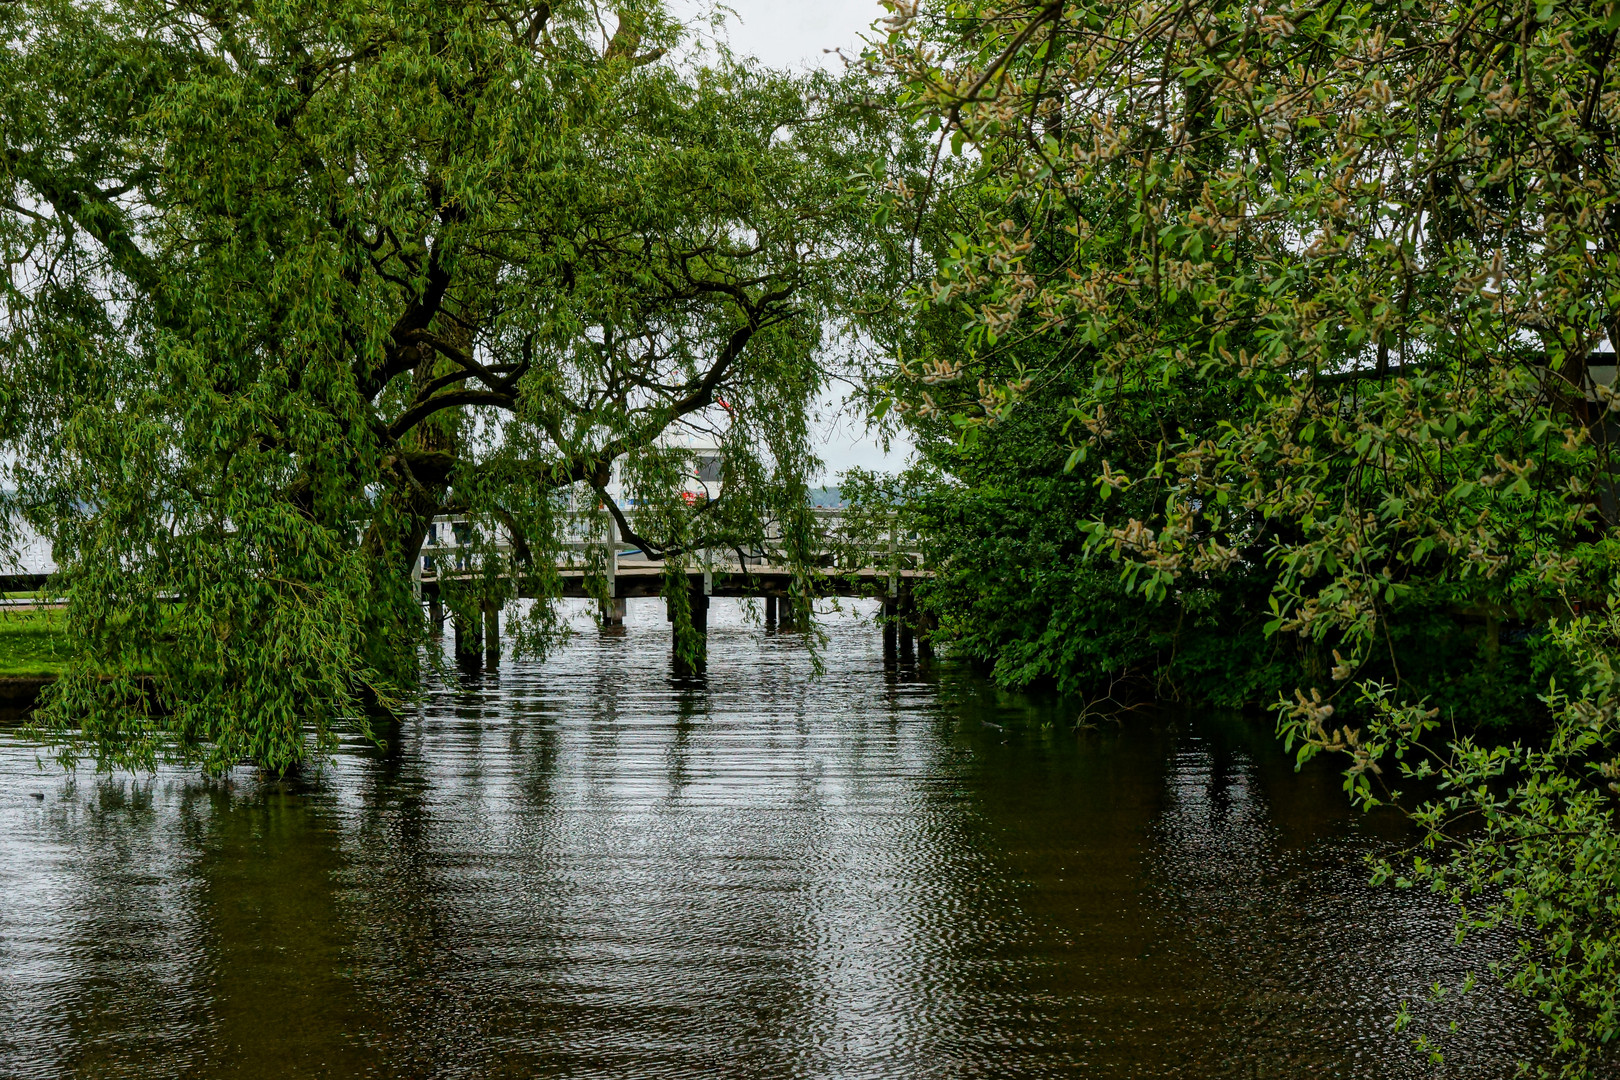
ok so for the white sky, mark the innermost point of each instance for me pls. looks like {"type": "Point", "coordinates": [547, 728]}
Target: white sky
{"type": "Point", "coordinates": [797, 35]}
{"type": "Point", "coordinates": [787, 34]}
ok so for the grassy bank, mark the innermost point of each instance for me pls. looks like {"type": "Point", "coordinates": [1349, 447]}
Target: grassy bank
{"type": "Point", "coordinates": [32, 643]}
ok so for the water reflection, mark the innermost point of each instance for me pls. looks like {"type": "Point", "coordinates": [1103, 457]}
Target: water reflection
{"type": "Point", "coordinates": [104, 957]}
{"type": "Point", "coordinates": [584, 868]}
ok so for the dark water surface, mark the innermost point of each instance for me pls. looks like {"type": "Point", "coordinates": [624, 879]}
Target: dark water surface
{"type": "Point", "coordinates": [581, 868]}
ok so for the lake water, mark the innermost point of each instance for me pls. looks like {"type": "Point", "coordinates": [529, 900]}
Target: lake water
{"type": "Point", "coordinates": [582, 868]}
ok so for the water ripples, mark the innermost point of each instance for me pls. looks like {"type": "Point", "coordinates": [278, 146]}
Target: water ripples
{"type": "Point", "coordinates": [585, 868]}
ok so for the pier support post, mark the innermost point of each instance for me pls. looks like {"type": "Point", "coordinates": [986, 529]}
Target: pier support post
{"type": "Point", "coordinates": [698, 598]}
{"type": "Point", "coordinates": [435, 617]}
{"type": "Point", "coordinates": [612, 611]}
{"type": "Point", "coordinates": [906, 611]}
{"type": "Point", "coordinates": [770, 613]}
{"type": "Point", "coordinates": [891, 626]}
{"type": "Point", "coordinates": [469, 639]}
{"type": "Point", "coordinates": [492, 632]}
{"type": "Point", "coordinates": [787, 616]}
{"type": "Point", "coordinates": [700, 606]}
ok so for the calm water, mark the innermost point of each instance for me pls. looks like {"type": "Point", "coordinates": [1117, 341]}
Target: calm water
{"type": "Point", "coordinates": [580, 868]}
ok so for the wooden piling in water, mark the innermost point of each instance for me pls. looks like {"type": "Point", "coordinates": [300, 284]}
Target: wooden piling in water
{"type": "Point", "coordinates": [700, 607]}
{"type": "Point", "coordinates": [697, 597]}
{"type": "Point", "coordinates": [492, 632]}
{"type": "Point", "coordinates": [906, 612]}
{"type": "Point", "coordinates": [469, 638]}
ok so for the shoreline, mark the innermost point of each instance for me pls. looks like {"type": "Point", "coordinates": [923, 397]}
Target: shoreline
{"type": "Point", "coordinates": [22, 691]}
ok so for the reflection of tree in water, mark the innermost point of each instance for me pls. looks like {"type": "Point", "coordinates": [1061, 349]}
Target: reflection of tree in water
{"type": "Point", "coordinates": [1288, 955]}
{"type": "Point", "coordinates": [582, 868]}
{"type": "Point", "coordinates": [280, 934]}
{"type": "Point", "coordinates": [188, 920]}
{"type": "Point", "coordinates": [103, 952]}
{"type": "Point", "coordinates": [644, 876]}
{"type": "Point", "coordinates": [407, 815]}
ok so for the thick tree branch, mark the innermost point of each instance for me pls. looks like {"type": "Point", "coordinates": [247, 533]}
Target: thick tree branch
{"type": "Point", "coordinates": [92, 210]}
{"type": "Point", "coordinates": [417, 413]}
{"type": "Point", "coordinates": [416, 318]}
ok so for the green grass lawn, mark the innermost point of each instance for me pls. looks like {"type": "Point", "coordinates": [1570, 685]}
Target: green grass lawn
{"type": "Point", "coordinates": [31, 643]}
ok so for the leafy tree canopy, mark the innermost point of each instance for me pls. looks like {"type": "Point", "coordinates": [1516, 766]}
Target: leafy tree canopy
{"type": "Point", "coordinates": [1379, 236]}
{"type": "Point", "coordinates": [1312, 300]}
{"type": "Point", "coordinates": [288, 280]}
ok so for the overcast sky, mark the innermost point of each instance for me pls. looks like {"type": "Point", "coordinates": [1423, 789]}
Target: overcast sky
{"type": "Point", "coordinates": [798, 35]}
{"type": "Point", "coordinates": [787, 34]}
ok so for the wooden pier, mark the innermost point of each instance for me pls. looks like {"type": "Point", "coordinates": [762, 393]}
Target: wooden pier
{"type": "Point", "coordinates": [892, 568]}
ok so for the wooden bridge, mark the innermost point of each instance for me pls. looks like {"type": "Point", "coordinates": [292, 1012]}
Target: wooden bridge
{"type": "Point", "coordinates": [888, 572]}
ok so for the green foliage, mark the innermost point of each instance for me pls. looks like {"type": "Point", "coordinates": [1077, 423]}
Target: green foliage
{"type": "Point", "coordinates": [1322, 295]}
{"type": "Point", "coordinates": [288, 281]}
{"type": "Point", "coordinates": [1292, 342]}
{"type": "Point", "coordinates": [1522, 836]}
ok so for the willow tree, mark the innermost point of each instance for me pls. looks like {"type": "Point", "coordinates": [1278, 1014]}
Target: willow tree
{"type": "Point", "coordinates": [287, 281]}
{"type": "Point", "coordinates": [1384, 238]}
